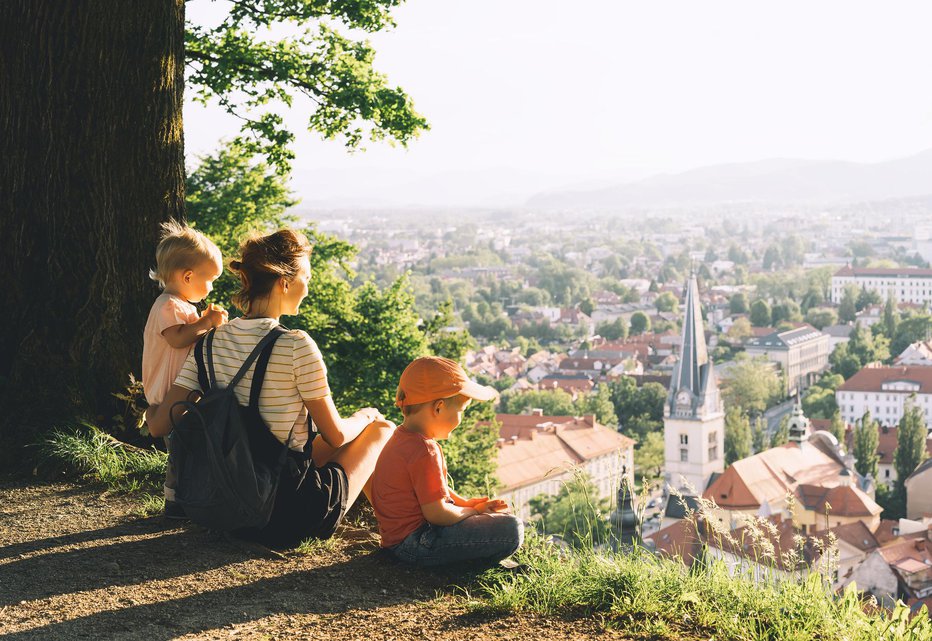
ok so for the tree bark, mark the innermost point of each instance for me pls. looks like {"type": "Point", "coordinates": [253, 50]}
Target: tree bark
{"type": "Point", "coordinates": [91, 161]}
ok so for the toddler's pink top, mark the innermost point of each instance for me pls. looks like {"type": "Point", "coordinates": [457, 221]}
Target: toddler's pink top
{"type": "Point", "coordinates": [160, 361]}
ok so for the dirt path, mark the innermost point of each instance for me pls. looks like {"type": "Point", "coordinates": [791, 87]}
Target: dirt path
{"type": "Point", "coordinates": [77, 564]}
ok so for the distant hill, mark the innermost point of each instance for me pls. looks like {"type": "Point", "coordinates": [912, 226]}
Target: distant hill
{"type": "Point", "coordinates": [766, 181]}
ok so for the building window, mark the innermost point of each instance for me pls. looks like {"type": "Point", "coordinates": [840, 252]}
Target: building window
{"type": "Point", "coordinates": [886, 473]}
{"type": "Point", "coordinates": [684, 439]}
{"type": "Point", "coordinates": [684, 455]}
{"type": "Point", "coordinates": [713, 438]}
{"type": "Point", "coordinates": [713, 453]}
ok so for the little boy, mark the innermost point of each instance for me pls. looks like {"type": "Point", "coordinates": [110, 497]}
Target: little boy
{"type": "Point", "coordinates": [187, 263]}
{"type": "Point", "coordinates": [420, 519]}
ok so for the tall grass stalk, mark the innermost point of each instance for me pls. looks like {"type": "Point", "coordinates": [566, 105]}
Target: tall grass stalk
{"type": "Point", "coordinates": [98, 457]}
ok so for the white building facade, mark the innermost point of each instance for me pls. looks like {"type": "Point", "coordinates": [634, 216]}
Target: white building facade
{"type": "Point", "coordinates": [904, 284]}
{"type": "Point", "coordinates": [884, 391]}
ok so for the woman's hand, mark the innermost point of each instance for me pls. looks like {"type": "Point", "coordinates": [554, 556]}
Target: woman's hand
{"type": "Point", "coordinates": [370, 414]}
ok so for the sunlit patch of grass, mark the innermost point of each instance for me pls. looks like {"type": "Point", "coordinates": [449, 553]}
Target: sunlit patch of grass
{"type": "Point", "coordinates": [151, 505]}
{"type": "Point", "coordinates": [316, 546]}
{"type": "Point", "coordinates": [97, 456]}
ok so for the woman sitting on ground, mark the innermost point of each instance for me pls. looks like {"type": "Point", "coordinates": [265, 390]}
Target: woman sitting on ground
{"type": "Point", "coordinates": [274, 271]}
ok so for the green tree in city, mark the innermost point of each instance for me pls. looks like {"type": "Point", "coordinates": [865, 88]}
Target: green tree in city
{"type": "Point", "coordinates": [786, 311]}
{"type": "Point", "coordinates": [866, 298]}
{"type": "Point", "coordinates": [760, 440]}
{"type": "Point", "coordinates": [640, 323]}
{"type": "Point", "coordinates": [760, 313]}
{"type": "Point", "coordinates": [866, 440]}
{"type": "Point", "coordinates": [738, 303]}
{"type": "Point", "coordinates": [739, 331]}
{"type": "Point", "coordinates": [782, 435]}
{"type": "Point", "coordinates": [576, 514]}
{"type": "Point", "coordinates": [751, 385]}
{"type": "Point", "coordinates": [819, 400]}
{"type": "Point", "coordinates": [613, 330]}
{"type": "Point", "coordinates": [891, 318]}
{"type": "Point", "coordinates": [667, 302]}
{"type": "Point", "coordinates": [909, 330]}
{"type": "Point", "coordinates": [737, 436]}
{"type": "Point", "coordinates": [847, 308]}
{"type": "Point", "coordinates": [443, 339]}
{"type": "Point", "coordinates": [599, 403]}
{"type": "Point", "coordinates": [838, 428]}
{"type": "Point", "coordinates": [910, 450]}
{"type": "Point", "coordinates": [550, 402]}
{"type": "Point", "coordinates": [821, 317]}
{"type": "Point", "coordinates": [639, 409]}
{"type": "Point", "coordinates": [649, 456]}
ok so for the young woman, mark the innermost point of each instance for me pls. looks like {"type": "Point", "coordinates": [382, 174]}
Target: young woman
{"type": "Point", "coordinates": [274, 271]}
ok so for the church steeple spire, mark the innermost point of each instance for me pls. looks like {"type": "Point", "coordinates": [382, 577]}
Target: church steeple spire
{"type": "Point", "coordinates": [694, 352]}
{"type": "Point", "coordinates": [692, 388]}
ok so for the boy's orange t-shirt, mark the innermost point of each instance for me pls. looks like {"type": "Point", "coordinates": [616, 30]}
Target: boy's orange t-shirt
{"type": "Point", "coordinates": [410, 472]}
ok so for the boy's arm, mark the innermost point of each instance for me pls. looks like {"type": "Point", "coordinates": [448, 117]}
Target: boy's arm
{"type": "Point", "coordinates": [441, 512]}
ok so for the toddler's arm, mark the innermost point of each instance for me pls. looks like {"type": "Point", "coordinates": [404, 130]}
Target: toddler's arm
{"type": "Point", "coordinates": [186, 334]}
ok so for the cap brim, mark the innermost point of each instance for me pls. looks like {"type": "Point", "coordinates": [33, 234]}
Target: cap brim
{"type": "Point", "coordinates": [479, 392]}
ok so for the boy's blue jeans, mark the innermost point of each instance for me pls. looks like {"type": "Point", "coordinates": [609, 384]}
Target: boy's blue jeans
{"type": "Point", "coordinates": [483, 537]}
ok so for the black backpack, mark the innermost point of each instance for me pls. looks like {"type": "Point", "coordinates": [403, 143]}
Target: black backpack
{"type": "Point", "coordinates": [227, 461]}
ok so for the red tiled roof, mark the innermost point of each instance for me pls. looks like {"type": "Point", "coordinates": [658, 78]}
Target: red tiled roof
{"type": "Point", "coordinates": [841, 500]}
{"type": "Point", "coordinates": [536, 447]}
{"type": "Point", "coordinates": [855, 534]}
{"type": "Point", "coordinates": [871, 379]}
{"type": "Point", "coordinates": [769, 475]}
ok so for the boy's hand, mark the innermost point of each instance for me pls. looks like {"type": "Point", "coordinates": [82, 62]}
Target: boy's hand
{"type": "Point", "coordinates": [493, 505]}
{"type": "Point", "coordinates": [474, 502]}
{"type": "Point", "coordinates": [217, 315]}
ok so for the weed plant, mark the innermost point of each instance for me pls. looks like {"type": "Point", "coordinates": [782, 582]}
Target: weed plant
{"type": "Point", "coordinates": [98, 457]}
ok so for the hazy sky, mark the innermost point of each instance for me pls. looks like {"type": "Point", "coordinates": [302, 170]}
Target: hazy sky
{"type": "Point", "coordinates": [524, 95]}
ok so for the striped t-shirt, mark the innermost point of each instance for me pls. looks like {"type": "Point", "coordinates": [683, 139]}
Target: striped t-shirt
{"type": "Point", "coordinates": [296, 373]}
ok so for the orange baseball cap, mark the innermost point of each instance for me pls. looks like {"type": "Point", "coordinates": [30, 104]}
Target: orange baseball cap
{"type": "Point", "coordinates": [430, 378]}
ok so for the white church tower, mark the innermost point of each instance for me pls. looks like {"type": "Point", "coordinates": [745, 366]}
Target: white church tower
{"type": "Point", "coordinates": [693, 417]}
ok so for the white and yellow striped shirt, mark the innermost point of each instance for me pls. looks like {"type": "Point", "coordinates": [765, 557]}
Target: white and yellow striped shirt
{"type": "Point", "coordinates": [296, 373]}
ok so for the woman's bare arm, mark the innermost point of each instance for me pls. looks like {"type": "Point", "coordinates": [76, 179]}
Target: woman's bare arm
{"type": "Point", "coordinates": [337, 431]}
{"type": "Point", "coordinates": [159, 421]}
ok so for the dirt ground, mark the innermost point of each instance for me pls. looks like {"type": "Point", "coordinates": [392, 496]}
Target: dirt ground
{"type": "Point", "coordinates": [79, 564]}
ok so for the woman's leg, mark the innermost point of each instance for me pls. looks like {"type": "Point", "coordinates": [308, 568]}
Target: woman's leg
{"type": "Point", "coordinates": [358, 458]}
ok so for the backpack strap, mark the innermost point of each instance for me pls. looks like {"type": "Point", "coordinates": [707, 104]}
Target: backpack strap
{"type": "Point", "coordinates": [211, 374]}
{"type": "Point", "coordinates": [262, 364]}
{"type": "Point", "coordinates": [199, 360]}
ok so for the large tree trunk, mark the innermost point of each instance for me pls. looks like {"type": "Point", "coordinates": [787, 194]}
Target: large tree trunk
{"type": "Point", "coordinates": [91, 160]}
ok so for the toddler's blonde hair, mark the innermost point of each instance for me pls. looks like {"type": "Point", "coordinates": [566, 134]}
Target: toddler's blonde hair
{"type": "Point", "coordinates": [181, 247]}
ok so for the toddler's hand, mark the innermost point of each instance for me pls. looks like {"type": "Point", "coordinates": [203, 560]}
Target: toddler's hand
{"type": "Point", "coordinates": [217, 315]}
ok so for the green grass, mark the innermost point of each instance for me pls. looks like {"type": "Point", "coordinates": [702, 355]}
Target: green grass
{"type": "Point", "coordinates": [314, 546]}
{"type": "Point", "coordinates": [96, 456]}
{"type": "Point", "coordinates": [644, 594]}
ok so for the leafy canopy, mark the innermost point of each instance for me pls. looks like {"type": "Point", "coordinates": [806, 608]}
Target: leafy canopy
{"type": "Point", "coordinates": [254, 73]}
